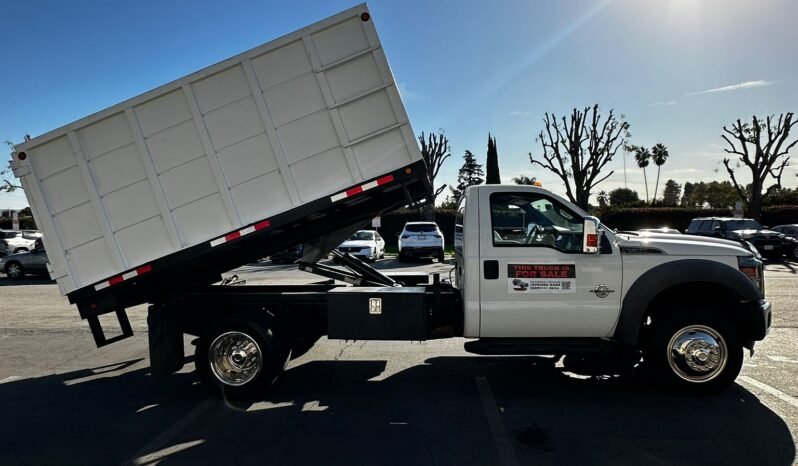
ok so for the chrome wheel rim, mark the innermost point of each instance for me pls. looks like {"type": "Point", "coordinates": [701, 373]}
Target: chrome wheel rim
{"type": "Point", "coordinates": [697, 353]}
{"type": "Point", "coordinates": [235, 358]}
{"type": "Point", "coordinates": [14, 271]}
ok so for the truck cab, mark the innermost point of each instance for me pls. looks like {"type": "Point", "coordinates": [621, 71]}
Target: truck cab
{"type": "Point", "coordinates": [538, 274]}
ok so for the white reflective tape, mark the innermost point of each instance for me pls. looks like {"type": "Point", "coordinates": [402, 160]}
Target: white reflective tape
{"type": "Point", "coordinates": [101, 286]}
{"type": "Point", "coordinates": [129, 275]}
{"type": "Point", "coordinates": [339, 196]}
{"type": "Point", "coordinates": [369, 185]}
{"type": "Point", "coordinates": [218, 241]}
{"type": "Point", "coordinates": [247, 230]}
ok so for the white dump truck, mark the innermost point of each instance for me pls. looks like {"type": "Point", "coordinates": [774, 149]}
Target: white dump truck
{"type": "Point", "coordinates": [304, 140]}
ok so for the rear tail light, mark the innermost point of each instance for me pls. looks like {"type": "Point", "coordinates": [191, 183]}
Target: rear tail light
{"type": "Point", "coordinates": [592, 240]}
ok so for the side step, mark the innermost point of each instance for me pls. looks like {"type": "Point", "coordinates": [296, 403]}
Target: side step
{"type": "Point", "coordinates": [99, 334]}
{"type": "Point", "coordinates": [531, 346]}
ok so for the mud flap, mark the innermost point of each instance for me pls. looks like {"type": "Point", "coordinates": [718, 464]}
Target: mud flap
{"type": "Point", "coordinates": [167, 353]}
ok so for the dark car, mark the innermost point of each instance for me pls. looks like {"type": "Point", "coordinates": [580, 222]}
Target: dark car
{"type": "Point", "coordinates": [769, 243]}
{"type": "Point", "coordinates": [16, 266]}
{"type": "Point", "coordinates": [287, 256]}
{"type": "Point", "coordinates": [790, 232]}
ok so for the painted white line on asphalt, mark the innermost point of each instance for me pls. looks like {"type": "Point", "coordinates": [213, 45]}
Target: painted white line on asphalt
{"type": "Point", "coordinates": [770, 390]}
{"type": "Point", "coordinates": [147, 454]}
{"type": "Point", "coordinates": [10, 379]}
{"type": "Point", "coordinates": [504, 446]}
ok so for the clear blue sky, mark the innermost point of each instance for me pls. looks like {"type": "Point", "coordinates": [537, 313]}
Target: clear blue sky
{"type": "Point", "coordinates": [677, 69]}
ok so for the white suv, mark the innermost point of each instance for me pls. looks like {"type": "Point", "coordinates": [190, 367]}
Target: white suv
{"type": "Point", "coordinates": [14, 241]}
{"type": "Point", "coordinates": [420, 239]}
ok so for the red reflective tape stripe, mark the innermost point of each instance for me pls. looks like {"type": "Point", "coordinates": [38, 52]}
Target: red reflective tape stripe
{"type": "Point", "coordinates": [144, 269]}
{"type": "Point", "coordinates": [384, 179]}
{"type": "Point", "coordinates": [262, 225]}
{"type": "Point", "coordinates": [115, 280]}
{"type": "Point", "coordinates": [353, 191]}
{"type": "Point", "coordinates": [232, 236]}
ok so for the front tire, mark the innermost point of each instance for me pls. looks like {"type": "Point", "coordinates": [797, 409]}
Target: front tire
{"type": "Point", "coordinates": [240, 358]}
{"type": "Point", "coordinates": [15, 270]}
{"type": "Point", "coordinates": [695, 353]}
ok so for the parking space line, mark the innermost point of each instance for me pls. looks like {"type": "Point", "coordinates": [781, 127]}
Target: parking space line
{"type": "Point", "coordinates": [770, 390]}
{"type": "Point", "coordinates": [143, 456]}
{"type": "Point", "coordinates": [504, 446]}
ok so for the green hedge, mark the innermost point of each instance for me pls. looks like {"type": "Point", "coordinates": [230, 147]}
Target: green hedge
{"type": "Point", "coordinates": [25, 223]}
{"type": "Point", "coordinates": [632, 218]}
{"type": "Point", "coordinates": [680, 217]}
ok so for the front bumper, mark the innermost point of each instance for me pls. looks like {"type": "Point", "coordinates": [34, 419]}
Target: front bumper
{"type": "Point", "coordinates": [763, 318]}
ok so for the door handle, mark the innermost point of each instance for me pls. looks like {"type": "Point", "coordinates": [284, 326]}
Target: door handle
{"type": "Point", "coordinates": [491, 270]}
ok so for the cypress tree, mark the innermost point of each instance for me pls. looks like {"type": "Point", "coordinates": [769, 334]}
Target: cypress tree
{"type": "Point", "coordinates": [492, 164]}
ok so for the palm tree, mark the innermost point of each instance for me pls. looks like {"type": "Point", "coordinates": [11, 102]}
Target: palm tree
{"type": "Point", "coordinates": [642, 156]}
{"type": "Point", "coordinates": [659, 155]}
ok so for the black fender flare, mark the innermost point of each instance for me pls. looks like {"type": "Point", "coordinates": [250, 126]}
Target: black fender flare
{"type": "Point", "coordinates": [669, 274]}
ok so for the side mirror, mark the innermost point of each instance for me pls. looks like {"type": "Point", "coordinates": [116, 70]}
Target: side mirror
{"type": "Point", "coordinates": [590, 240]}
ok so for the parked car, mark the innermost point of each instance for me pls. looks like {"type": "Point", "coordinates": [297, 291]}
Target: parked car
{"type": "Point", "coordinates": [287, 256]}
{"type": "Point", "coordinates": [365, 244]}
{"type": "Point", "coordinates": [420, 239]}
{"type": "Point", "coordinates": [790, 232]}
{"type": "Point", "coordinates": [666, 230]}
{"type": "Point", "coordinates": [14, 241]}
{"type": "Point", "coordinates": [770, 244]}
{"type": "Point", "coordinates": [18, 265]}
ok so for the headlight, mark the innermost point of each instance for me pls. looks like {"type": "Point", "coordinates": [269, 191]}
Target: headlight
{"type": "Point", "coordinates": [752, 268]}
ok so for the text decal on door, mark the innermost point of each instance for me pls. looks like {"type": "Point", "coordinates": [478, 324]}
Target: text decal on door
{"type": "Point", "coordinates": [541, 278]}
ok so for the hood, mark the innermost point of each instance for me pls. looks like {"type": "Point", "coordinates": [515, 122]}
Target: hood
{"type": "Point", "coordinates": [755, 233]}
{"type": "Point", "coordinates": [361, 243]}
{"type": "Point", "coordinates": [684, 245]}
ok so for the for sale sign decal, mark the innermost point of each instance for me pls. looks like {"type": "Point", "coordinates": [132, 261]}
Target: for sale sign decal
{"type": "Point", "coordinates": [541, 278]}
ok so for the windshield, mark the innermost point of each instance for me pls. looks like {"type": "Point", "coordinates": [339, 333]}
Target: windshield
{"type": "Point", "coordinates": [746, 224]}
{"type": "Point", "coordinates": [422, 227]}
{"type": "Point", "coordinates": [362, 236]}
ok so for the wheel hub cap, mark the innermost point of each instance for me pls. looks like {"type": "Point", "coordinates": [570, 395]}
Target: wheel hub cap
{"type": "Point", "coordinates": [697, 353]}
{"type": "Point", "coordinates": [235, 358]}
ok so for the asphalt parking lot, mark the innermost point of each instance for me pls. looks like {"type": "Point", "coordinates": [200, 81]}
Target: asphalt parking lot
{"type": "Point", "coordinates": [63, 401]}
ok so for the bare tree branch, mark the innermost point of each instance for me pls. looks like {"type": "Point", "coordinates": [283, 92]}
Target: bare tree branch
{"type": "Point", "coordinates": [768, 141]}
{"type": "Point", "coordinates": [578, 147]}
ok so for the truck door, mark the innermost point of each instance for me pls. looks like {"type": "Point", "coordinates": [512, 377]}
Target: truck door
{"type": "Point", "coordinates": [535, 281]}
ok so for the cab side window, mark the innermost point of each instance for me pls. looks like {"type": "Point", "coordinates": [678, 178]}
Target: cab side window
{"type": "Point", "coordinates": [533, 220]}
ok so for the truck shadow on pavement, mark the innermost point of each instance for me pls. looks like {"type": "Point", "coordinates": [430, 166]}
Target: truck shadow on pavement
{"type": "Point", "coordinates": [360, 412]}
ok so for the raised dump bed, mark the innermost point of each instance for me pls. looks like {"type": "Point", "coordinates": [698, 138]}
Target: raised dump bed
{"type": "Point", "coordinates": [295, 139]}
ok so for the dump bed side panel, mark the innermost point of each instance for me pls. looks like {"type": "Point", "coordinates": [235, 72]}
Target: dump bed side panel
{"type": "Point", "coordinates": [295, 120]}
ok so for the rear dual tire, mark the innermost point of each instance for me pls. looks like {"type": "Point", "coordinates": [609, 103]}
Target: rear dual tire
{"type": "Point", "coordinates": [241, 358]}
